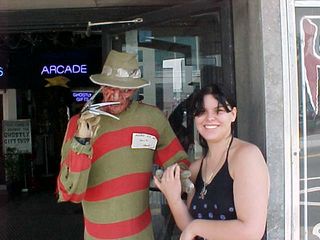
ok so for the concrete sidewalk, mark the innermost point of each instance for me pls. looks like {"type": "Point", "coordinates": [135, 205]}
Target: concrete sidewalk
{"type": "Point", "coordinates": [38, 216]}
{"type": "Point", "coordinates": [35, 216]}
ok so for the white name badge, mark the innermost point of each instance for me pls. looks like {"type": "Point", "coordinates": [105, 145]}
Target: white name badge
{"type": "Point", "coordinates": [143, 140]}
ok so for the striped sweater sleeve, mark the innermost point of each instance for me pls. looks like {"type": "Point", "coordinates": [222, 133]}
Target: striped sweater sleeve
{"type": "Point", "coordinates": [169, 149]}
{"type": "Point", "coordinates": [74, 167]}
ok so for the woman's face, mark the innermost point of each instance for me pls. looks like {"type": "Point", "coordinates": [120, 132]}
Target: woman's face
{"type": "Point", "coordinates": [117, 95]}
{"type": "Point", "coordinates": [214, 123]}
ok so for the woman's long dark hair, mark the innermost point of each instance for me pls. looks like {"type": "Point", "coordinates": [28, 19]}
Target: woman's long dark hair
{"type": "Point", "coordinates": [224, 101]}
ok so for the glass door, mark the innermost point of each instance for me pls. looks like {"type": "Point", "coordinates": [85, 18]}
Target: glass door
{"type": "Point", "coordinates": [308, 42]}
{"type": "Point", "coordinates": [179, 56]}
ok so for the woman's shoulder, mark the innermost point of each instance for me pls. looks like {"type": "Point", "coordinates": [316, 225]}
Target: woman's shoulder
{"type": "Point", "coordinates": [243, 148]}
{"type": "Point", "coordinates": [244, 154]}
{"type": "Point", "coordinates": [194, 168]}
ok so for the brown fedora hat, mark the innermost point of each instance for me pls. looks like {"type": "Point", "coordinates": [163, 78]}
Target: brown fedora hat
{"type": "Point", "coordinates": [121, 70]}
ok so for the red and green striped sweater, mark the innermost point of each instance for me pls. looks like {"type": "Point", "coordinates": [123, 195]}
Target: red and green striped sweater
{"type": "Point", "coordinates": [110, 178]}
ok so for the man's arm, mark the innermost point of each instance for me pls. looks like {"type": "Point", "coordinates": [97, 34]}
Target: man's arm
{"type": "Point", "coordinates": [170, 151]}
{"type": "Point", "coordinates": [75, 165]}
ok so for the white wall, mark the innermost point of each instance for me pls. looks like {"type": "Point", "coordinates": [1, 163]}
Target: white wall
{"type": "Point", "coordinates": [9, 104]}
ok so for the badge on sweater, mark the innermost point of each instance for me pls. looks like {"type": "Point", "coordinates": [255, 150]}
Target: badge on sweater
{"type": "Point", "coordinates": [143, 140]}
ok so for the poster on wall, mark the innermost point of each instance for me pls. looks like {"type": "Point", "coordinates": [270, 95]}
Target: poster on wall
{"type": "Point", "coordinates": [308, 36]}
{"type": "Point", "coordinates": [309, 32]}
{"type": "Point", "coordinates": [16, 134]}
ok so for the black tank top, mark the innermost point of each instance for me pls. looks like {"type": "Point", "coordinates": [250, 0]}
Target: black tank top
{"type": "Point", "coordinates": [218, 203]}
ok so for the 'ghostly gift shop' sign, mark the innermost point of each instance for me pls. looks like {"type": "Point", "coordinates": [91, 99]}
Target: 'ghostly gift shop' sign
{"type": "Point", "coordinates": [17, 134]}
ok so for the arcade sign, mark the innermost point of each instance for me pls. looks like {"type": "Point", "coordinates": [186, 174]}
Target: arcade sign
{"type": "Point", "coordinates": [1, 71]}
{"type": "Point", "coordinates": [64, 69]}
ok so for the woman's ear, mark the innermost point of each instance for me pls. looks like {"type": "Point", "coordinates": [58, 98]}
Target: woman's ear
{"type": "Point", "coordinates": [234, 112]}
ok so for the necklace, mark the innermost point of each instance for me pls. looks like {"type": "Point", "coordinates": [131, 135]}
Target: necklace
{"type": "Point", "coordinates": [207, 182]}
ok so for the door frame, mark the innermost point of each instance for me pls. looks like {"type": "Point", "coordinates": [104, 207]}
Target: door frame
{"type": "Point", "coordinates": [291, 138]}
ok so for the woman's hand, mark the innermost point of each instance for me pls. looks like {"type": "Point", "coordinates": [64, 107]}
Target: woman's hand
{"type": "Point", "coordinates": [170, 184]}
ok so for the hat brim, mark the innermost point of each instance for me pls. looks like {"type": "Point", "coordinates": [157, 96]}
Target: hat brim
{"type": "Point", "coordinates": [118, 82]}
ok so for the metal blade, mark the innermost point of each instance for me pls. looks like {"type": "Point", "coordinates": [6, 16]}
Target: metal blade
{"type": "Point", "coordinates": [99, 112]}
{"type": "Point", "coordinates": [99, 105]}
{"type": "Point", "coordinates": [90, 101]}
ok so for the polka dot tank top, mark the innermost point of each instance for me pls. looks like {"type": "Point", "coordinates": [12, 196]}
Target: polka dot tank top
{"type": "Point", "coordinates": [218, 203]}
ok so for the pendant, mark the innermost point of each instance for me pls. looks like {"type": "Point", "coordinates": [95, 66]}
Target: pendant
{"type": "Point", "coordinates": [203, 192]}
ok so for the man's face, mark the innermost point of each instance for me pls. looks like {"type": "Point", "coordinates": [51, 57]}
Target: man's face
{"type": "Point", "coordinates": [117, 95]}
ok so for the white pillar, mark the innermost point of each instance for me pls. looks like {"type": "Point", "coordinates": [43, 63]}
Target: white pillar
{"type": "Point", "coordinates": [9, 104]}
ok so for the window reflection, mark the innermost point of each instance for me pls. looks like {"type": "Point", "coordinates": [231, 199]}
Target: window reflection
{"type": "Point", "coordinates": [309, 122]}
{"type": "Point", "coordinates": [177, 58]}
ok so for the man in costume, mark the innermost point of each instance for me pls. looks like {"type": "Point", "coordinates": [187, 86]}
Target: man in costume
{"type": "Point", "coordinates": [108, 155]}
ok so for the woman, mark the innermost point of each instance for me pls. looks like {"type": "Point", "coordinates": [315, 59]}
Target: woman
{"type": "Point", "coordinates": [231, 179]}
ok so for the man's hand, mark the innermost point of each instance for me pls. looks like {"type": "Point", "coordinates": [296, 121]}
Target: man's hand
{"type": "Point", "coordinates": [186, 184]}
{"type": "Point", "coordinates": [88, 124]}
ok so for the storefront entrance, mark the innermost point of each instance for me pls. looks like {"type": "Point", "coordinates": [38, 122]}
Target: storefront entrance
{"type": "Point", "coordinates": [189, 47]}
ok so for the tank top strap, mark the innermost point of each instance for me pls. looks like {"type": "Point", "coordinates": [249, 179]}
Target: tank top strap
{"type": "Point", "coordinates": [229, 147]}
{"type": "Point", "coordinates": [198, 182]}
